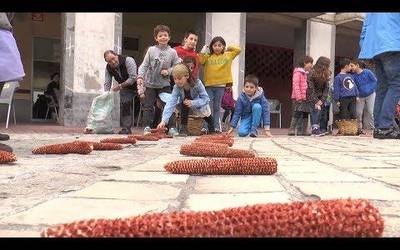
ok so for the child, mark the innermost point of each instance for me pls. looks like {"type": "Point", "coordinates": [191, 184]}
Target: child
{"type": "Point", "coordinates": [217, 73]}
{"type": "Point", "coordinates": [157, 66]}
{"type": "Point", "coordinates": [188, 48]}
{"type": "Point", "coordinates": [345, 91]}
{"type": "Point", "coordinates": [250, 106]}
{"type": "Point", "coordinates": [317, 91]}
{"type": "Point", "coordinates": [301, 107]}
{"type": "Point", "coordinates": [228, 103]}
{"type": "Point", "coordinates": [192, 95]}
{"type": "Point", "coordinates": [366, 83]}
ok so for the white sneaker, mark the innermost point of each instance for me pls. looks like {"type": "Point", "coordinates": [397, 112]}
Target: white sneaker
{"type": "Point", "coordinates": [146, 131]}
{"type": "Point", "coordinates": [173, 132]}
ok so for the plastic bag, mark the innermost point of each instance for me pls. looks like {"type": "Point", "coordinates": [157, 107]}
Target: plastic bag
{"type": "Point", "coordinates": [99, 120]}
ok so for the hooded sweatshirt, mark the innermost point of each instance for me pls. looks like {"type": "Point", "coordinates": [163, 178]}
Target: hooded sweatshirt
{"type": "Point", "coordinates": [182, 53]}
{"type": "Point", "coordinates": [344, 86]}
{"type": "Point", "coordinates": [245, 104]}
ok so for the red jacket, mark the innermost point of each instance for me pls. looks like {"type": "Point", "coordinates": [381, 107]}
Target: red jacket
{"type": "Point", "coordinates": [299, 84]}
{"type": "Point", "coordinates": [183, 53]}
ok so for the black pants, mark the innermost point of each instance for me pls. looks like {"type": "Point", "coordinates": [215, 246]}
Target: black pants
{"type": "Point", "coordinates": [300, 114]}
{"type": "Point", "coordinates": [324, 118]}
{"type": "Point", "coordinates": [227, 112]}
{"type": "Point", "coordinates": [347, 108]}
{"type": "Point", "coordinates": [149, 103]}
{"type": "Point", "coordinates": [126, 108]}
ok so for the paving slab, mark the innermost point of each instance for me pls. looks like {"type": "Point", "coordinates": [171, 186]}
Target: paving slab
{"type": "Point", "coordinates": [148, 176]}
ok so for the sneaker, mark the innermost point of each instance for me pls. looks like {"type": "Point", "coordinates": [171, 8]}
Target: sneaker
{"type": "Point", "coordinates": [183, 131]}
{"type": "Point", "coordinates": [146, 131]}
{"type": "Point", "coordinates": [173, 132]}
{"type": "Point", "coordinates": [316, 132]}
{"type": "Point", "coordinates": [4, 137]}
{"type": "Point", "coordinates": [253, 133]}
{"type": "Point", "coordinates": [389, 133]}
{"type": "Point", "coordinates": [203, 131]}
{"type": "Point", "coordinates": [125, 131]}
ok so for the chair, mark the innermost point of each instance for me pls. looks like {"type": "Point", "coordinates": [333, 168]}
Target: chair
{"type": "Point", "coordinates": [7, 97]}
{"type": "Point", "coordinates": [275, 107]}
{"type": "Point", "coordinates": [51, 105]}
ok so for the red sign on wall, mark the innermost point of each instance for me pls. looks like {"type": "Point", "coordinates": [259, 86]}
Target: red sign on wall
{"type": "Point", "coordinates": [38, 17]}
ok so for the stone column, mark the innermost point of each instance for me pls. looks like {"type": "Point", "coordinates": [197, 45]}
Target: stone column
{"type": "Point", "coordinates": [300, 38]}
{"type": "Point", "coordinates": [232, 27]}
{"type": "Point", "coordinates": [85, 37]}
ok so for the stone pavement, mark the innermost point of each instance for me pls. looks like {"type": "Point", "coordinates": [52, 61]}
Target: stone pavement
{"type": "Point", "coordinates": [42, 190]}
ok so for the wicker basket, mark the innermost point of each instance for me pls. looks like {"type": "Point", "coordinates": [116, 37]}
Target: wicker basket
{"type": "Point", "coordinates": [194, 126]}
{"type": "Point", "coordinates": [347, 127]}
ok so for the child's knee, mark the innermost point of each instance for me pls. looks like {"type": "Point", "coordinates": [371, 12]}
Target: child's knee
{"type": "Point", "coordinates": [243, 132]}
{"type": "Point", "coordinates": [256, 107]}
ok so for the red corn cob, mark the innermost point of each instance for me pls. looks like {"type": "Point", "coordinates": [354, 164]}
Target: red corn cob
{"type": "Point", "coordinates": [105, 146]}
{"type": "Point", "coordinates": [124, 140]}
{"type": "Point", "coordinates": [210, 144]}
{"type": "Point", "coordinates": [329, 218]}
{"type": "Point", "coordinates": [6, 157]}
{"type": "Point", "coordinates": [253, 166]}
{"type": "Point", "coordinates": [150, 137]}
{"type": "Point", "coordinates": [216, 136]}
{"type": "Point", "coordinates": [76, 147]}
{"type": "Point", "coordinates": [214, 151]}
{"type": "Point", "coordinates": [224, 141]}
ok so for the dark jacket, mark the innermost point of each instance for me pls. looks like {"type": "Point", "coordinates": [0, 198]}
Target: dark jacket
{"type": "Point", "coordinates": [316, 90]}
{"type": "Point", "coordinates": [245, 104]}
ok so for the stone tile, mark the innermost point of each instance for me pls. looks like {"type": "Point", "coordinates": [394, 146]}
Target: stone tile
{"type": "Point", "coordinates": [64, 210]}
{"type": "Point", "coordinates": [19, 233]}
{"type": "Point", "coordinates": [237, 184]}
{"type": "Point", "coordinates": [386, 172]}
{"type": "Point", "coordinates": [148, 176]}
{"type": "Point", "coordinates": [128, 191]}
{"type": "Point", "coordinates": [368, 190]}
{"type": "Point", "coordinates": [324, 175]}
{"type": "Point", "coordinates": [209, 202]}
{"type": "Point", "coordinates": [392, 226]}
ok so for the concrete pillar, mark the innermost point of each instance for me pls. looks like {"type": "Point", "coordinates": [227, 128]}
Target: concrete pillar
{"type": "Point", "coordinates": [300, 38]}
{"type": "Point", "coordinates": [85, 36]}
{"type": "Point", "coordinates": [321, 39]}
{"type": "Point", "coordinates": [232, 27]}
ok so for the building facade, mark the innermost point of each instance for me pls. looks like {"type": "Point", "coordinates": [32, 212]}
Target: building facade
{"type": "Point", "coordinates": [73, 44]}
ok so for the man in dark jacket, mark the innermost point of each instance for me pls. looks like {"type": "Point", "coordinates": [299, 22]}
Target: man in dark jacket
{"type": "Point", "coordinates": [123, 69]}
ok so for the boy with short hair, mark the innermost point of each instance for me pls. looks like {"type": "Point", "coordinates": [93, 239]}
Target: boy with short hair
{"type": "Point", "coordinates": [345, 92]}
{"type": "Point", "coordinates": [251, 106]}
{"type": "Point", "coordinates": [188, 49]}
{"type": "Point", "coordinates": [156, 70]}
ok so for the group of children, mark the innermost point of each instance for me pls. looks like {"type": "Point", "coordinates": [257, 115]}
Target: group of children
{"type": "Point", "coordinates": [190, 94]}
{"type": "Point", "coordinates": [353, 93]}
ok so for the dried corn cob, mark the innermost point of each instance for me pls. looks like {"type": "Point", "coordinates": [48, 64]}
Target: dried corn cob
{"type": "Point", "coordinates": [254, 166]}
{"type": "Point", "coordinates": [65, 148]}
{"type": "Point", "coordinates": [196, 149]}
{"type": "Point", "coordinates": [327, 218]}
{"type": "Point", "coordinates": [105, 146]}
{"type": "Point", "coordinates": [228, 142]}
{"type": "Point", "coordinates": [149, 137]}
{"type": "Point", "coordinates": [123, 140]}
{"type": "Point", "coordinates": [6, 157]}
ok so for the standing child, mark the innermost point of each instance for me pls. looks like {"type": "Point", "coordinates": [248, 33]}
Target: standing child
{"type": "Point", "coordinates": [157, 66]}
{"type": "Point", "coordinates": [317, 91]}
{"type": "Point", "coordinates": [191, 94]}
{"type": "Point", "coordinates": [251, 106]}
{"type": "Point", "coordinates": [345, 91]}
{"type": "Point", "coordinates": [188, 49]}
{"type": "Point", "coordinates": [366, 83]}
{"type": "Point", "coordinates": [301, 108]}
{"type": "Point", "coordinates": [217, 73]}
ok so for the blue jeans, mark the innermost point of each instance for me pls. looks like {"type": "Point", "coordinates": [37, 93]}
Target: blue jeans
{"type": "Point", "coordinates": [251, 123]}
{"type": "Point", "coordinates": [387, 67]}
{"type": "Point", "coordinates": [315, 118]}
{"type": "Point", "coordinates": [215, 94]}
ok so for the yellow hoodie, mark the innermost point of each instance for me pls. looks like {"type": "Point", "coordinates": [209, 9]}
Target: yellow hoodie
{"type": "Point", "coordinates": [217, 68]}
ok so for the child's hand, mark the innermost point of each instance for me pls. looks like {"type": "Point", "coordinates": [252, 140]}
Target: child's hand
{"type": "Point", "coordinates": [230, 131]}
{"type": "Point", "coordinates": [188, 103]}
{"type": "Point", "coordinates": [164, 72]}
{"type": "Point", "coordinates": [338, 104]}
{"type": "Point", "coordinates": [161, 125]}
{"type": "Point", "coordinates": [317, 107]}
{"type": "Point", "coordinates": [358, 99]}
{"type": "Point", "coordinates": [319, 103]}
{"type": "Point", "coordinates": [141, 97]}
{"type": "Point", "coordinates": [139, 81]}
{"type": "Point", "coordinates": [116, 87]}
{"type": "Point", "coordinates": [205, 49]}
{"type": "Point", "coordinates": [268, 133]}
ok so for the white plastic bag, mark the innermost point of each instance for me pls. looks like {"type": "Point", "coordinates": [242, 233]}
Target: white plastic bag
{"type": "Point", "coordinates": [99, 120]}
